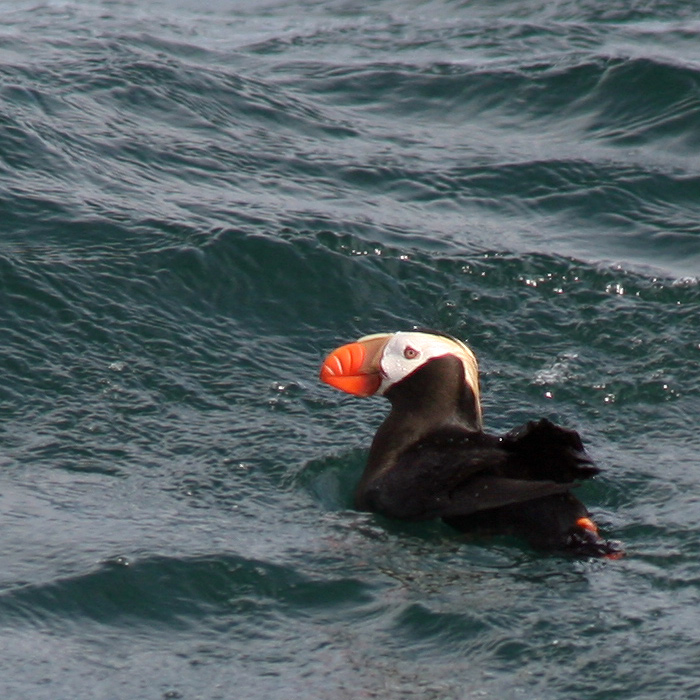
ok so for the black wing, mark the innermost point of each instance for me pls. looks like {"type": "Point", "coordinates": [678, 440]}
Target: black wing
{"type": "Point", "coordinates": [456, 473]}
{"type": "Point", "coordinates": [543, 450]}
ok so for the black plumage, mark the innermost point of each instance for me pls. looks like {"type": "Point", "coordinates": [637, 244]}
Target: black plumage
{"type": "Point", "coordinates": [430, 459]}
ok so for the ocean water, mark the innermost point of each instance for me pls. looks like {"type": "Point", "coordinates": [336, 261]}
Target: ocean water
{"type": "Point", "coordinates": [197, 202]}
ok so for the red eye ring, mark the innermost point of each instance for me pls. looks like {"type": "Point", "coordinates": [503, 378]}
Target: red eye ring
{"type": "Point", "coordinates": [410, 353]}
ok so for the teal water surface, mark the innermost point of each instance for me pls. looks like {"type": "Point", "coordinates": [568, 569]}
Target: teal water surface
{"type": "Point", "coordinates": [197, 203]}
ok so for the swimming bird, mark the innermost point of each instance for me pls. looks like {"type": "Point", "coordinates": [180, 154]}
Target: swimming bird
{"type": "Point", "coordinates": [431, 458]}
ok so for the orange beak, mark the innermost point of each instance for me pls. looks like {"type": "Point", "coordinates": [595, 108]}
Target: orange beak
{"type": "Point", "coordinates": [355, 368]}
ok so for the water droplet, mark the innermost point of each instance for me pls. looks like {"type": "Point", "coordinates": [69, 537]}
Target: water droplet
{"type": "Point", "coordinates": [118, 561]}
{"type": "Point", "coordinates": [686, 282]}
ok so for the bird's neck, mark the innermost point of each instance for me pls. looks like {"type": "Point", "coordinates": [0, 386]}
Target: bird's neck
{"type": "Point", "coordinates": [433, 398]}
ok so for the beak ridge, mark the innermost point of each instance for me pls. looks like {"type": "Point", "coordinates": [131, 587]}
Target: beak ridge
{"type": "Point", "coordinates": [354, 367]}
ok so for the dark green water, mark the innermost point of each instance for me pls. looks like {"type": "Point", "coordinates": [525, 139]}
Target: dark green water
{"type": "Point", "coordinates": [196, 204]}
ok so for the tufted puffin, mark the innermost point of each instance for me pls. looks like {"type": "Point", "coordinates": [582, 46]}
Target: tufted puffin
{"type": "Point", "coordinates": [431, 458]}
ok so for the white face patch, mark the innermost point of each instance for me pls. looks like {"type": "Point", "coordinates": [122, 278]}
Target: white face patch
{"type": "Point", "coordinates": [407, 351]}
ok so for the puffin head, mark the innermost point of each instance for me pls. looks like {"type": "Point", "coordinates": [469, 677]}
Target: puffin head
{"type": "Point", "coordinates": [376, 364]}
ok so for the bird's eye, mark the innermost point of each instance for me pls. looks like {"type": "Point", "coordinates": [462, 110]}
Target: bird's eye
{"type": "Point", "coordinates": [410, 353]}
